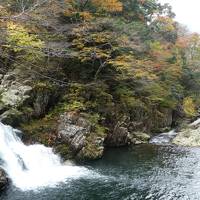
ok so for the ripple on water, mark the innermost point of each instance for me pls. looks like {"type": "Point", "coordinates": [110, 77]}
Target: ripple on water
{"type": "Point", "coordinates": [145, 172]}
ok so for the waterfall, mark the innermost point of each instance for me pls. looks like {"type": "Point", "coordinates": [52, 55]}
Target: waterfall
{"type": "Point", "coordinates": [166, 138]}
{"type": "Point", "coordinates": [163, 138]}
{"type": "Point", "coordinates": [34, 166]}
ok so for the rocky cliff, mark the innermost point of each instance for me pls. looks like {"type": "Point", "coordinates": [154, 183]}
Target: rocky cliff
{"type": "Point", "coordinates": [81, 78]}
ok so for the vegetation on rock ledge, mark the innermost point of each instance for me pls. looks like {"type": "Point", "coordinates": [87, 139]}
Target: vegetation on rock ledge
{"type": "Point", "coordinates": [118, 62]}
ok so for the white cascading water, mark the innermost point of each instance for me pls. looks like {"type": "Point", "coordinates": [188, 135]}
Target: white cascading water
{"type": "Point", "coordinates": [165, 138]}
{"type": "Point", "coordinates": [34, 166]}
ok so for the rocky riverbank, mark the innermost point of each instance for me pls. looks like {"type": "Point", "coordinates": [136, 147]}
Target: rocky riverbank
{"type": "Point", "coordinates": [73, 134]}
{"type": "Point", "coordinates": [189, 136]}
{"type": "Point", "coordinates": [80, 90]}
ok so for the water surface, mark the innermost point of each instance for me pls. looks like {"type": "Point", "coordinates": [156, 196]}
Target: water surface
{"type": "Point", "coordinates": [145, 172]}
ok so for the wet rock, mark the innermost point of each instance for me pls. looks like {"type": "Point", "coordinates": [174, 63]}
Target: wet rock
{"type": "Point", "coordinates": [91, 152]}
{"type": "Point", "coordinates": [158, 123]}
{"type": "Point", "coordinates": [3, 180]}
{"type": "Point", "coordinates": [93, 148]}
{"type": "Point", "coordinates": [44, 95]}
{"type": "Point", "coordinates": [1, 77]}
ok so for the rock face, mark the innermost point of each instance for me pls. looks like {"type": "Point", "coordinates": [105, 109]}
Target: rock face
{"type": "Point", "coordinates": [119, 136]}
{"type": "Point", "coordinates": [21, 99]}
{"type": "Point", "coordinates": [78, 134]}
{"type": "Point", "coordinates": [188, 137]}
{"type": "Point", "coordinates": [13, 96]}
{"type": "Point", "coordinates": [157, 123]}
{"type": "Point", "coordinates": [73, 130]}
{"type": "Point", "coordinates": [3, 180]}
{"type": "Point", "coordinates": [122, 136]}
{"type": "Point", "coordinates": [13, 93]}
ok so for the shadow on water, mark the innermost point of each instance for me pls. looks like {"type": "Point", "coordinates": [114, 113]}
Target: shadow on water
{"type": "Point", "coordinates": [144, 172]}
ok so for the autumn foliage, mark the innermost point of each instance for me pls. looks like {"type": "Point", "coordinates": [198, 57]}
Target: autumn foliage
{"type": "Point", "coordinates": [126, 59]}
{"type": "Point", "coordinates": [108, 5]}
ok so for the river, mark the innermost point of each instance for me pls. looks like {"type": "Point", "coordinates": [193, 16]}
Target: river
{"type": "Point", "coordinates": [144, 172]}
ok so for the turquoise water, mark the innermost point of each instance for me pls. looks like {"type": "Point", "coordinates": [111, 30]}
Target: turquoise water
{"type": "Point", "coordinates": [143, 172]}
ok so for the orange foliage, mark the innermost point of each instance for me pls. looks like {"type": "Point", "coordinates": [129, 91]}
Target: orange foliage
{"type": "Point", "coordinates": [109, 5]}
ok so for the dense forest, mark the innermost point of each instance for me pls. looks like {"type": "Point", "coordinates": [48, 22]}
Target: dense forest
{"type": "Point", "coordinates": [108, 72]}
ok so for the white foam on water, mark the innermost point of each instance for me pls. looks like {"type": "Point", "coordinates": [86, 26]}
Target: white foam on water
{"type": "Point", "coordinates": [34, 166]}
{"type": "Point", "coordinates": [163, 138]}
{"type": "Point", "coordinates": [196, 122]}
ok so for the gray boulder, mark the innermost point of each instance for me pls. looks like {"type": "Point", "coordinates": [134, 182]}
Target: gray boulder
{"type": "Point", "coordinates": [15, 95]}
{"type": "Point", "coordinates": [13, 92]}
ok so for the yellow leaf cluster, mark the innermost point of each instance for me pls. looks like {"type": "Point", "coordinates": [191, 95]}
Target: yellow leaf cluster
{"type": "Point", "coordinates": [189, 107]}
{"type": "Point", "coordinates": [109, 5]}
{"type": "Point", "coordinates": [20, 40]}
{"type": "Point", "coordinates": [122, 62]}
{"type": "Point", "coordinates": [19, 36]}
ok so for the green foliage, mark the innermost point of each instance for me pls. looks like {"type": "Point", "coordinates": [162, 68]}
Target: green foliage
{"type": "Point", "coordinates": [125, 64]}
{"type": "Point", "coordinates": [139, 10]}
{"type": "Point", "coordinates": [21, 42]}
{"type": "Point", "coordinates": [41, 130]}
{"type": "Point", "coordinates": [64, 151]}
